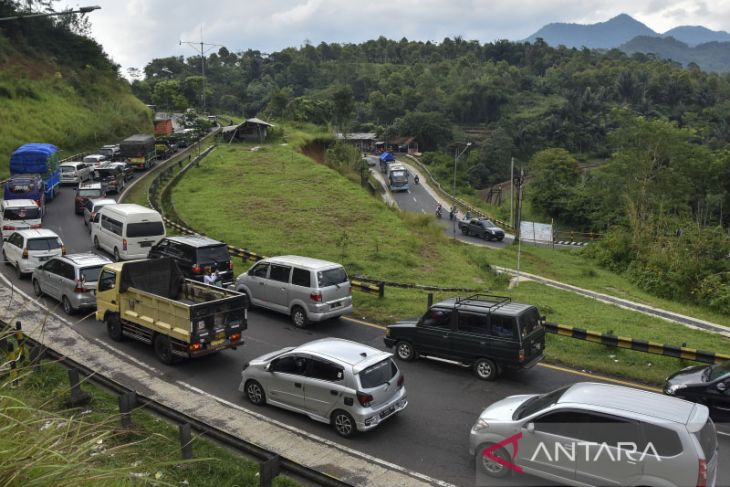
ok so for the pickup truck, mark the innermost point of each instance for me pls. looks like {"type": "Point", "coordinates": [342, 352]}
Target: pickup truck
{"type": "Point", "coordinates": [481, 227]}
{"type": "Point", "coordinates": [151, 301]}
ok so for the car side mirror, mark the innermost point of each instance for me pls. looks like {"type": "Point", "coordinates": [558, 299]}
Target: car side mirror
{"type": "Point", "coordinates": [268, 367]}
{"type": "Point", "coordinates": [721, 386]}
{"type": "Point", "coordinates": [530, 427]}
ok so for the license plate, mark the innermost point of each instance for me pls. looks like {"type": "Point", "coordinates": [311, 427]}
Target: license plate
{"type": "Point", "coordinates": [387, 412]}
{"type": "Point", "coordinates": [336, 305]}
{"type": "Point", "coordinates": [216, 343]}
{"type": "Point", "coordinates": [145, 244]}
{"type": "Point", "coordinates": [43, 259]}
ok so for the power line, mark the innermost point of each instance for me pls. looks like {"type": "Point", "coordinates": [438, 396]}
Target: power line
{"type": "Point", "coordinates": [202, 49]}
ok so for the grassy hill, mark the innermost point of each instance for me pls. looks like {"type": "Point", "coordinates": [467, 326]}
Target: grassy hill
{"type": "Point", "coordinates": [69, 95]}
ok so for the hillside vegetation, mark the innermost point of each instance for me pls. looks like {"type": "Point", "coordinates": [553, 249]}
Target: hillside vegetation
{"type": "Point", "coordinates": [59, 87]}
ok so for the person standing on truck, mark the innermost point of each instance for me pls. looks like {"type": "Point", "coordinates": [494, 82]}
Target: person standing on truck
{"type": "Point", "coordinates": [211, 278]}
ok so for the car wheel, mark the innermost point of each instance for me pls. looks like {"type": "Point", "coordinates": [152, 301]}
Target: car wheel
{"type": "Point", "coordinates": [96, 243]}
{"type": "Point", "coordinates": [117, 258]}
{"type": "Point", "coordinates": [114, 327]}
{"type": "Point", "coordinates": [18, 272]}
{"type": "Point", "coordinates": [489, 466]}
{"type": "Point", "coordinates": [37, 288]}
{"type": "Point", "coordinates": [67, 308]}
{"type": "Point", "coordinates": [163, 349]}
{"type": "Point", "coordinates": [404, 351]}
{"type": "Point", "coordinates": [485, 369]}
{"type": "Point", "coordinates": [343, 423]}
{"type": "Point", "coordinates": [299, 317]}
{"type": "Point", "coordinates": [465, 231]}
{"type": "Point", "coordinates": [255, 393]}
{"type": "Point", "coordinates": [499, 239]}
{"type": "Point", "coordinates": [246, 300]}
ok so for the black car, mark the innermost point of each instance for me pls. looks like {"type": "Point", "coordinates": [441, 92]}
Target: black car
{"type": "Point", "coordinates": [195, 255]}
{"type": "Point", "coordinates": [704, 384]}
{"type": "Point", "coordinates": [486, 332]}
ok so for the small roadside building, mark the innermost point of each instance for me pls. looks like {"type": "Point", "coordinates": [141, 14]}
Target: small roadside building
{"type": "Point", "coordinates": [365, 141]}
{"type": "Point", "coordinates": [406, 144]}
{"type": "Point", "coordinates": [252, 129]}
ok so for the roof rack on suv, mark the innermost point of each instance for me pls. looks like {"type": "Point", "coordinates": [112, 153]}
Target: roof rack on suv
{"type": "Point", "coordinates": [484, 300]}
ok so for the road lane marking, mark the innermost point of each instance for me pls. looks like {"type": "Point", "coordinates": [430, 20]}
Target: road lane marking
{"type": "Point", "coordinates": [126, 356]}
{"type": "Point", "coordinates": [723, 434]}
{"type": "Point", "coordinates": [414, 199]}
{"type": "Point", "coordinates": [313, 437]}
{"type": "Point", "coordinates": [365, 323]}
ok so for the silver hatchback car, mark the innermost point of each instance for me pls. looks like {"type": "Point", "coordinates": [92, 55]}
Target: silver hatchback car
{"type": "Point", "coordinates": [591, 434]}
{"type": "Point", "coordinates": [70, 279]}
{"type": "Point", "coordinates": [349, 385]}
{"type": "Point", "coordinates": [306, 289]}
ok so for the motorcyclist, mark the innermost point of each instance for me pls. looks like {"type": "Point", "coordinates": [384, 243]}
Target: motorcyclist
{"type": "Point", "coordinates": [416, 179]}
{"type": "Point", "coordinates": [438, 210]}
{"type": "Point", "coordinates": [452, 212]}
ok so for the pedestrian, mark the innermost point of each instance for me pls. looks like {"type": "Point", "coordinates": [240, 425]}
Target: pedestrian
{"type": "Point", "coordinates": [467, 215]}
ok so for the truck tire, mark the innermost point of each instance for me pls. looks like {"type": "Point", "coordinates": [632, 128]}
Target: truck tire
{"type": "Point", "coordinates": [163, 349]}
{"type": "Point", "coordinates": [114, 327]}
{"type": "Point", "coordinates": [465, 230]}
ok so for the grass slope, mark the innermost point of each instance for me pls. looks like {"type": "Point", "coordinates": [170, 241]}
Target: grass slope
{"type": "Point", "coordinates": [276, 201]}
{"type": "Point", "coordinates": [39, 104]}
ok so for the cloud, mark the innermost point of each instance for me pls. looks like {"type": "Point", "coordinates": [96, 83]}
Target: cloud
{"type": "Point", "coordinates": [134, 32]}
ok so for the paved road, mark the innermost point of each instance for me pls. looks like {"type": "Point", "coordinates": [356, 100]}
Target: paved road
{"type": "Point", "coordinates": [429, 437]}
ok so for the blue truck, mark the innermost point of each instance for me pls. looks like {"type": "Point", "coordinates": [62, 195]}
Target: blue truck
{"type": "Point", "coordinates": [386, 158]}
{"type": "Point", "coordinates": [36, 159]}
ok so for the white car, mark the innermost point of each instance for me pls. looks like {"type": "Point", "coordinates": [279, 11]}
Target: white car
{"type": "Point", "coordinates": [27, 249]}
{"type": "Point", "coordinates": [75, 172]}
{"type": "Point", "coordinates": [19, 215]}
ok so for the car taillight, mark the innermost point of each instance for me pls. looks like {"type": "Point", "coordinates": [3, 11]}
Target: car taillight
{"type": "Point", "coordinates": [92, 215]}
{"type": "Point", "coordinates": [37, 225]}
{"type": "Point", "coordinates": [194, 347]}
{"type": "Point", "coordinates": [702, 474]}
{"type": "Point", "coordinates": [364, 399]}
{"type": "Point", "coordinates": [522, 356]}
{"type": "Point", "coordinates": [63, 250]}
{"type": "Point", "coordinates": [235, 337]}
{"type": "Point", "coordinates": [316, 297]}
{"type": "Point", "coordinates": [230, 265]}
{"type": "Point", "coordinates": [124, 244]}
{"type": "Point", "coordinates": [197, 269]}
{"type": "Point", "coordinates": [25, 253]}
{"type": "Point", "coordinates": [79, 287]}
{"type": "Point", "coordinates": [8, 227]}
{"type": "Point", "coordinates": [401, 380]}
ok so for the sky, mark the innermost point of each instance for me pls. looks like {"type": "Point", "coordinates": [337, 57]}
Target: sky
{"type": "Point", "coordinates": [133, 32]}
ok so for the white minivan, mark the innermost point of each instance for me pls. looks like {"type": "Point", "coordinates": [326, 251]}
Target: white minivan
{"type": "Point", "coordinates": [19, 215]}
{"type": "Point", "coordinates": [127, 231]}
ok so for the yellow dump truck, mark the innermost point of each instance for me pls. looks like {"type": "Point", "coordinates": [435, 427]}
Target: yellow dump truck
{"type": "Point", "coordinates": [151, 301]}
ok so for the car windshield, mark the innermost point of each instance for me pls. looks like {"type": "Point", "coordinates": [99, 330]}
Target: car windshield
{"type": "Point", "coordinates": [44, 243]}
{"type": "Point", "coordinates": [218, 253]}
{"type": "Point", "coordinates": [529, 322]}
{"type": "Point", "coordinates": [29, 213]}
{"type": "Point", "coordinates": [719, 370]}
{"type": "Point", "coordinates": [378, 374]}
{"type": "Point", "coordinates": [22, 186]}
{"type": "Point", "coordinates": [68, 169]}
{"type": "Point", "coordinates": [91, 274]}
{"type": "Point", "coordinates": [332, 277]}
{"type": "Point", "coordinates": [91, 192]}
{"type": "Point", "coordinates": [538, 403]}
{"type": "Point", "coordinates": [145, 229]}
{"type": "Point", "coordinates": [488, 223]}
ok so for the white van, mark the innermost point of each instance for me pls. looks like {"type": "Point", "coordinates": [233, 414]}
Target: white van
{"type": "Point", "coordinates": [95, 159]}
{"type": "Point", "coordinates": [127, 231]}
{"type": "Point", "coordinates": [19, 214]}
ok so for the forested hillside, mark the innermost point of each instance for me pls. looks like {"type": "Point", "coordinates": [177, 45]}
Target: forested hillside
{"type": "Point", "coordinates": [658, 133]}
{"type": "Point", "coordinates": [59, 86]}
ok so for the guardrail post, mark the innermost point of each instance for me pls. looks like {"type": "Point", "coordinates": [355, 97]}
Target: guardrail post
{"type": "Point", "coordinates": [13, 374]}
{"type": "Point", "coordinates": [20, 340]}
{"type": "Point", "coordinates": [429, 301]}
{"type": "Point", "coordinates": [381, 289]}
{"type": "Point", "coordinates": [127, 402]}
{"type": "Point", "coordinates": [77, 397]}
{"type": "Point", "coordinates": [186, 442]}
{"type": "Point", "coordinates": [268, 470]}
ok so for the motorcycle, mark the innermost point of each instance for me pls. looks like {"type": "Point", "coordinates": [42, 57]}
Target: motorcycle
{"type": "Point", "coordinates": [438, 212]}
{"type": "Point", "coordinates": [415, 180]}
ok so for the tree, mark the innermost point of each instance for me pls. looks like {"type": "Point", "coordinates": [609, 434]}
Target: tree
{"type": "Point", "coordinates": [431, 130]}
{"type": "Point", "coordinates": [168, 95]}
{"type": "Point", "coordinates": [343, 106]}
{"type": "Point", "coordinates": [554, 175]}
{"type": "Point", "coordinates": [493, 165]}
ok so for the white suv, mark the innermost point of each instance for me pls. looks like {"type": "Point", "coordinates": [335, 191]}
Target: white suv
{"type": "Point", "coordinates": [27, 249]}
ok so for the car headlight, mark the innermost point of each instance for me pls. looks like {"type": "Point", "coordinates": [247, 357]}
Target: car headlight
{"type": "Point", "coordinates": [674, 388]}
{"type": "Point", "coordinates": [480, 425]}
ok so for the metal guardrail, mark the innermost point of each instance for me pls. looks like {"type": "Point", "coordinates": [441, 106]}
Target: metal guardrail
{"type": "Point", "coordinates": [27, 348]}
{"type": "Point", "coordinates": [611, 340]}
{"type": "Point", "coordinates": [423, 287]}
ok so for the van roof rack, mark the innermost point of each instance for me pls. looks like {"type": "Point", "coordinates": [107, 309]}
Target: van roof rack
{"type": "Point", "coordinates": [484, 300]}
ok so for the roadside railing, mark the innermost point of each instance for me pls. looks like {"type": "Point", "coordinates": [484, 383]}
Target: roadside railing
{"type": "Point", "coordinates": [25, 353]}
{"type": "Point", "coordinates": [637, 345]}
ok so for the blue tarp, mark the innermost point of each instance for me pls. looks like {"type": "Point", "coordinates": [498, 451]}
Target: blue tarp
{"type": "Point", "coordinates": [386, 156]}
{"type": "Point", "coordinates": [34, 158]}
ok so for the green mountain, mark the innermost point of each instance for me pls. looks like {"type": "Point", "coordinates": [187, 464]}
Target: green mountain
{"type": "Point", "coordinates": [710, 56]}
{"type": "Point", "coordinates": [602, 35]}
{"type": "Point", "coordinates": [60, 87]}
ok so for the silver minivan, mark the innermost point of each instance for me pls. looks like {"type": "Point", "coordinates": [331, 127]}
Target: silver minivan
{"type": "Point", "coordinates": [306, 289]}
{"type": "Point", "coordinates": [591, 434]}
{"type": "Point", "coordinates": [353, 387]}
{"type": "Point", "coordinates": [70, 279]}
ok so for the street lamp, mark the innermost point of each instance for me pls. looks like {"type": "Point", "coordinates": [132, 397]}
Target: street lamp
{"type": "Point", "coordinates": [81, 10]}
{"type": "Point", "coordinates": [457, 154]}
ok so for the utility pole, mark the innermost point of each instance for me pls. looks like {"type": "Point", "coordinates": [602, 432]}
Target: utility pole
{"type": "Point", "coordinates": [517, 181]}
{"type": "Point", "coordinates": [202, 50]}
{"type": "Point", "coordinates": [512, 193]}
